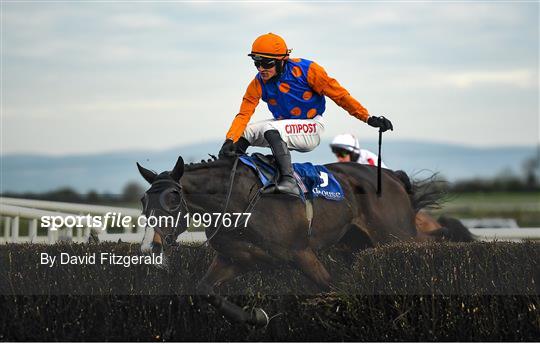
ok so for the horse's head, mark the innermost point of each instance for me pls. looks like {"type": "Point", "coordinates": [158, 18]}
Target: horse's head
{"type": "Point", "coordinates": [164, 208]}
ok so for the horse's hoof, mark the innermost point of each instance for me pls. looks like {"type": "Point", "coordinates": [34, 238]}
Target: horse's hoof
{"type": "Point", "coordinates": [259, 317]}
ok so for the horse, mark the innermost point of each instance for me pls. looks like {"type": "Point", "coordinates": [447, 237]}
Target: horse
{"type": "Point", "coordinates": [278, 231]}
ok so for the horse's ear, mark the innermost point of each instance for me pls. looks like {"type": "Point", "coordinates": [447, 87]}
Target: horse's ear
{"type": "Point", "coordinates": [178, 170]}
{"type": "Point", "coordinates": [148, 175]}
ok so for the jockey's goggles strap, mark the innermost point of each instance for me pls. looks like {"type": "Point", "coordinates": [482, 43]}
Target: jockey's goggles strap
{"type": "Point", "coordinates": [255, 54]}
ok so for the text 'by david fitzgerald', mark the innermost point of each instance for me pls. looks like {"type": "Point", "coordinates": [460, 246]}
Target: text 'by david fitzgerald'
{"type": "Point", "coordinates": [103, 258]}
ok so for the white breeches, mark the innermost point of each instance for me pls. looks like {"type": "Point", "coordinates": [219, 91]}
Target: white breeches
{"type": "Point", "coordinates": [301, 135]}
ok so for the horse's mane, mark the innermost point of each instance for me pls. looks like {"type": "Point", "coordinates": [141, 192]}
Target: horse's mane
{"type": "Point", "coordinates": [213, 162]}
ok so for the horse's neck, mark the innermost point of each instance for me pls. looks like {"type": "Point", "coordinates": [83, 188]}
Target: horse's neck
{"type": "Point", "coordinates": [205, 189]}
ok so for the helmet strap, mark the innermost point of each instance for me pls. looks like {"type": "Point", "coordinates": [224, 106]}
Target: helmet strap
{"type": "Point", "coordinates": [280, 64]}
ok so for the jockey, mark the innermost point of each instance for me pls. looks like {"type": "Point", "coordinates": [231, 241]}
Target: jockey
{"type": "Point", "coordinates": [294, 90]}
{"type": "Point", "coordinates": [347, 149]}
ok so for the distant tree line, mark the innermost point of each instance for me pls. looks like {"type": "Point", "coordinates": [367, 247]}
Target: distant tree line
{"type": "Point", "coordinates": [131, 193]}
{"type": "Point", "coordinates": [506, 181]}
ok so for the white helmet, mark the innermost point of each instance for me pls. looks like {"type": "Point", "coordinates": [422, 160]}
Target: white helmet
{"type": "Point", "coordinates": [347, 142]}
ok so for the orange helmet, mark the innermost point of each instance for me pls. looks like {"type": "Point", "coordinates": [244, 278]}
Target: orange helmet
{"type": "Point", "coordinates": [270, 46]}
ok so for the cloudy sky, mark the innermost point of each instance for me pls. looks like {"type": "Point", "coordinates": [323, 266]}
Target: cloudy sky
{"type": "Point", "coordinates": [86, 77]}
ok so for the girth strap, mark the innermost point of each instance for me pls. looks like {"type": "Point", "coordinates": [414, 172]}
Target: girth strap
{"type": "Point", "coordinates": [309, 214]}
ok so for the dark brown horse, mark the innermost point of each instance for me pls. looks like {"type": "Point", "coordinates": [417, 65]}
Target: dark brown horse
{"type": "Point", "coordinates": [278, 231]}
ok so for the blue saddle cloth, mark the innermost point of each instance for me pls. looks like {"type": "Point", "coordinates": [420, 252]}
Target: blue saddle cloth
{"type": "Point", "coordinates": [314, 180]}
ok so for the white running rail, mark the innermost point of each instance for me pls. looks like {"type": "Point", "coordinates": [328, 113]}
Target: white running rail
{"type": "Point", "coordinates": [506, 234]}
{"type": "Point", "coordinates": [13, 211]}
{"type": "Point", "coordinates": [73, 208]}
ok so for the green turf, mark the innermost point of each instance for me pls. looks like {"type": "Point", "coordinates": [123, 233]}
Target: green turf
{"type": "Point", "coordinates": [512, 199]}
{"type": "Point", "coordinates": [523, 207]}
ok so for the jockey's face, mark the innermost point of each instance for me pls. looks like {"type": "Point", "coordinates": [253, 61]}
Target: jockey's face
{"type": "Point", "coordinates": [343, 158]}
{"type": "Point", "coordinates": [267, 74]}
{"type": "Point", "coordinates": [342, 155]}
{"type": "Point", "coordinates": [267, 67]}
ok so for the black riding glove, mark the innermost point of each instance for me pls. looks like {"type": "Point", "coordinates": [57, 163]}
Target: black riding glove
{"type": "Point", "coordinates": [380, 122]}
{"type": "Point", "coordinates": [227, 150]}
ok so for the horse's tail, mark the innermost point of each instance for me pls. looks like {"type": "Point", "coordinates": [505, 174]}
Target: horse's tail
{"type": "Point", "coordinates": [429, 194]}
{"type": "Point", "coordinates": [424, 194]}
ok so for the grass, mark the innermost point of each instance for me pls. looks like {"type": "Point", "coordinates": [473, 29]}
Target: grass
{"type": "Point", "coordinates": [524, 207]}
{"type": "Point", "coordinates": [514, 200]}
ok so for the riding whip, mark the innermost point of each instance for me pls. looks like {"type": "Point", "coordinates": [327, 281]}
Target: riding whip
{"type": "Point", "coordinates": [379, 163]}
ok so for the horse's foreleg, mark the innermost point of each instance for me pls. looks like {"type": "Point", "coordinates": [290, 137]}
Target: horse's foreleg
{"type": "Point", "coordinates": [310, 265]}
{"type": "Point", "coordinates": [221, 270]}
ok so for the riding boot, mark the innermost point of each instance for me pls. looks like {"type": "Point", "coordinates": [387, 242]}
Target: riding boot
{"type": "Point", "coordinates": [241, 146]}
{"type": "Point", "coordinates": [286, 183]}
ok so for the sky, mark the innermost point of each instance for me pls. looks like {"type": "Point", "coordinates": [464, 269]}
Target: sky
{"type": "Point", "coordinates": [90, 77]}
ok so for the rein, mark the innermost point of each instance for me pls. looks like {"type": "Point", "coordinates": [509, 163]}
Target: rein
{"type": "Point", "coordinates": [231, 183]}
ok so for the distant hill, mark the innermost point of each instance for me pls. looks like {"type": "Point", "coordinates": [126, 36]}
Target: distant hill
{"type": "Point", "coordinates": [109, 172]}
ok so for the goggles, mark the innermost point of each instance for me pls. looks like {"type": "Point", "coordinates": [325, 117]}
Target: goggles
{"type": "Point", "coordinates": [340, 152]}
{"type": "Point", "coordinates": [265, 63]}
